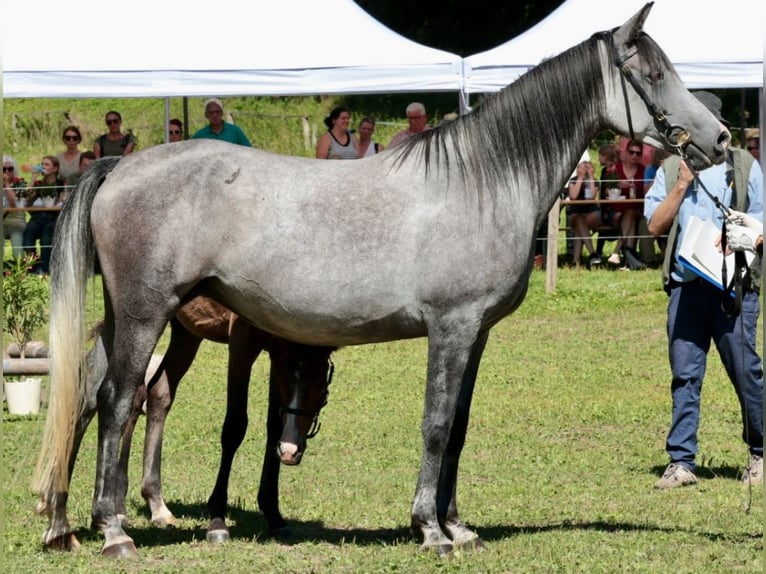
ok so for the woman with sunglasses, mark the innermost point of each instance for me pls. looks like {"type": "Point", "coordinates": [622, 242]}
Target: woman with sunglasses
{"type": "Point", "coordinates": [114, 142]}
{"type": "Point", "coordinates": [175, 130]}
{"type": "Point", "coordinates": [69, 159]}
{"type": "Point", "coordinates": [630, 180]}
{"type": "Point", "coordinates": [13, 222]}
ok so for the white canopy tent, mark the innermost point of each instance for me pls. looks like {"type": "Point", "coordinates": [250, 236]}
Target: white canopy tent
{"type": "Point", "coordinates": [710, 45]}
{"type": "Point", "coordinates": [151, 48]}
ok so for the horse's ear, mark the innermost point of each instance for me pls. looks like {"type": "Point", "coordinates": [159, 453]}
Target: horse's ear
{"type": "Point", "coordinates": [631, 30]}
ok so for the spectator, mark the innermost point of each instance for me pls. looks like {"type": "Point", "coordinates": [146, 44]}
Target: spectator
{"type": "Point", "coordinates": [69, 159]}
{"type": "Point", "coordinates": [114, 142]}
{"type": "Point", "coordinates": [607, 157]}
{"type": "Point", "coordinates": [86, 158]}
{"type": "Point", "coordinates": [658, 156]}
{"type": "Point", "coordinates": [47, 190]}
{"type": "Point", "coordinates": [217, 128]}
{"type": "Point", "coordinates": [14, 223]}
{"type": "Point", "coordinates": [695, 309]}
{"type": "Point", "coordinates": [417, 120]}
{"type": "Point", "coordinates": [583, 218]}
{"type": "Point", "coordinates": [175, 130]}
{"type": "Point", "coordinates": [630, 181]}
{"type": "Point", "coordinates": [367, 146]}
{"type": "Point", "coordinates": [753, 139]}
{"type": "Point", "coordinates": [337, 142]}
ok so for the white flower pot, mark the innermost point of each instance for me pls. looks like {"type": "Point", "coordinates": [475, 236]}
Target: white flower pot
{"type": "Point", "coordinates": [23, 396]}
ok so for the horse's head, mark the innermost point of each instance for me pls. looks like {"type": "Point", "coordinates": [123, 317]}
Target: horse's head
{"type": "Point", "coordinates": [649, 102]}
{"type": "Point", "coordinates": [305, 373]}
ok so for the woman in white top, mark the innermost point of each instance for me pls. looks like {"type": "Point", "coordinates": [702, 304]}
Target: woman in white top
{"type": "Point", "coordinates": [367, 146]}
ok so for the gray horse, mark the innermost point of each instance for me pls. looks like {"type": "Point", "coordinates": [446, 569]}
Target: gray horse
{"type": "Point", "coordinates": [432, 238]}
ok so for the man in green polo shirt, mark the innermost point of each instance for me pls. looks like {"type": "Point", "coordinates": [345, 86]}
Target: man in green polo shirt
{"type": "Point", "coordinates": [219, 129]}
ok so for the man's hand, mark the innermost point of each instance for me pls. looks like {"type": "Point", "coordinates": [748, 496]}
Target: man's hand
{"type": "Point", "coordinates": [744, 220]}
{"type": "Point", "coordinates": [740, 238]}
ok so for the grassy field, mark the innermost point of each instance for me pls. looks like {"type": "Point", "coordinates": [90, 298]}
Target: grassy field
{"type": "Point", "coordinates": [565, 441]}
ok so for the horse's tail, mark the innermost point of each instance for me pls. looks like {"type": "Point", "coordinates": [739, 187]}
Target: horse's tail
{"type": "Point", "coordinates": [71, 263]}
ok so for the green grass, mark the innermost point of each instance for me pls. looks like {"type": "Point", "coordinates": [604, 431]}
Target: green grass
{"type": "Point", "coordinates": [565, 441]}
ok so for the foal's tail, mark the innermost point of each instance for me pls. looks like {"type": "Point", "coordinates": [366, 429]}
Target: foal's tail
{"type": "Point", "coordinates": [72, 261]}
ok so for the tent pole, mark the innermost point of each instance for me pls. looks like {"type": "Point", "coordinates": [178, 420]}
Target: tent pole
{"type": "Point", "coordinates": [167, 119]}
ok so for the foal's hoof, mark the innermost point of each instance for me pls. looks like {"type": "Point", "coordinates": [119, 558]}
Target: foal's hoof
{"type": "Point", "coordinates": [217, 532]}
{"type": "Point", "coordinates": [64, 542]}
{"type": "Point", "coordinates": [123, 549]}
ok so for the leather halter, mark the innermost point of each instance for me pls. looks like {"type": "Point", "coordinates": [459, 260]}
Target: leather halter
{"type": "Point", "coordinates": [675, 136]}
{"type": "Point", "coordinates": [313, 415]}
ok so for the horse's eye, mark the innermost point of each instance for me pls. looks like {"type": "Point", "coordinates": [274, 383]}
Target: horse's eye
{"type": "Point", "coordinates": [656, 76]}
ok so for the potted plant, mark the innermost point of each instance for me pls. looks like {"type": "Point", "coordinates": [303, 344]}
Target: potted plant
{"type": "Point", "coordinates": [25, 302]}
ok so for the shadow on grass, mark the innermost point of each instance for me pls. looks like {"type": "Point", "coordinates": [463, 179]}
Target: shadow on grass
{"type": "Point", "coordinates": [248, 525]}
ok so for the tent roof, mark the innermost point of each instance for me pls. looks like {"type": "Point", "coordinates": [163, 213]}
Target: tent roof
{"type": "Point", "coordinates": [711, 46]}
{"type": "Point", "coordinates": [228, 47]}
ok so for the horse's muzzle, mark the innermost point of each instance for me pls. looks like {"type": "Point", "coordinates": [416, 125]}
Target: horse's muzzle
{"type": "Point", "coordinates": [289, 453]}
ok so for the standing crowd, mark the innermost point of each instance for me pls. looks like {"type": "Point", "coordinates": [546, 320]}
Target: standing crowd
{"type": "Point", "coordinates": [34, 194]}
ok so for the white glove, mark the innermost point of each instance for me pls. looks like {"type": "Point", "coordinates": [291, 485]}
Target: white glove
{"type": "Point", "coordinates": [740, 238]}
{"type": "Point", "coordinates": [745, 220]}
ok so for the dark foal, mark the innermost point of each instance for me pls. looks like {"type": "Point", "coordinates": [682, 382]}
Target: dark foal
{"type": "Point", "coordinates": [298, 389]}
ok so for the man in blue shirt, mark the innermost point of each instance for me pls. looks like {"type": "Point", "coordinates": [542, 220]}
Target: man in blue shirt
{"type": "Point", "coordinates": [696, 309]}
{"type": "Point", "coordinates": [218, 129]}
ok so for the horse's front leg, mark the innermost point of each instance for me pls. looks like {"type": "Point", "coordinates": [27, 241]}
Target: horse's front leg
{"type": "Point", "coordinates": [244, 347]}
{"type": "Point", "coordinates": [115, 401]}
{"type": "Point", "coordinates": [446, 502]}
{"type": "Point", "coordinates": [449, 350]}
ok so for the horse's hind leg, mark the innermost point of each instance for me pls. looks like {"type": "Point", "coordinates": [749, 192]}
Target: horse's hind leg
{"type": "Point", "coordinates": [178, 358]}
{"type": "Point", "coordinates": [59, 535]}
{"type": "Point", "coordinates": [446, 504]}
{"type": "Point", "coordinates": [245, 343]}
{"type": "Point", "coordinates": [128, 362]}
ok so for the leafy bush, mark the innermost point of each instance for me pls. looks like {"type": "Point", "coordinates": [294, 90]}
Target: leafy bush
{"type": "Point", "coordinates": [25, 300]}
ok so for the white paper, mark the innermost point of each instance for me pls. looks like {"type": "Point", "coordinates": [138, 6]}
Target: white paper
{"type": "Point", "coordinates": [699, 253]}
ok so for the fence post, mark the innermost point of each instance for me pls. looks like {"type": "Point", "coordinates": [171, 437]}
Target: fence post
{"type": "Point", "coordinates": [552, 254]}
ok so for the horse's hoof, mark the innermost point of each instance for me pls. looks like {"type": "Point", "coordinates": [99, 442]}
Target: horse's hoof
{"type": "Point", "coordinates": [124, 549]}
{"type": "Point", "coordinates": [217, 532]}
{"type": "Point", "coordinates": [164, 521]}
{"type": "Point", "coordinates": [64, 543]}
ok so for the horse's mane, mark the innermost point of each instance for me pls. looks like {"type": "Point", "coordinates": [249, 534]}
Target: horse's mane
{"type": "Point", "coordinates": [528, 125]}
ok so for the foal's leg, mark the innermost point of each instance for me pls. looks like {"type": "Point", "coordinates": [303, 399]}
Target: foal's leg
{"type": "Point", "coordinates": [268, 491]}
{"type": "Point", "coordinates": [450, 346]}
{"type": "Point", "coordinates": [446, 503]}
{"type": "Point", "coordinates": [178, 358]}
{"type": "Point", "coordinates": [244, 346]}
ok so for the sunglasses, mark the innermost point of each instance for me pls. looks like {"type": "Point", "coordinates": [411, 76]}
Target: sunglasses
{"type": "Point", "coordinates": [72, 138]}
{"type": "Point", "coordinates": [752, 148]}
{"type": "Point", "coordinates": [7, 168]}
{"type": "Point", "coordinates": [175, 132]}
{"type": "Point", "coordinates": [634, 152]}
{"type": "Point", "coordinates": [111, 121]}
